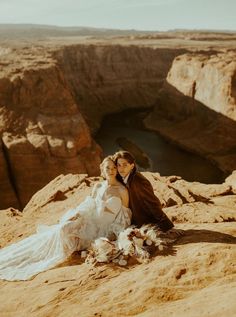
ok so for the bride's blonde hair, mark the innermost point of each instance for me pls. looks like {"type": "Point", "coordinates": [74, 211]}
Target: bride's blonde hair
{"type": "Point", "coordinates": [106, 159]}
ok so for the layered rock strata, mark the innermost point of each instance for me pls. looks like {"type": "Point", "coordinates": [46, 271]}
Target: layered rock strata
{"type": "Point", "coordinates": [106, 79]}
{"type": "Point", "coordinates": [196, 109]}
{"type": "Point", "coordinates": [208, 77]}
{"type": "Point", "coordinates": [42, 132]}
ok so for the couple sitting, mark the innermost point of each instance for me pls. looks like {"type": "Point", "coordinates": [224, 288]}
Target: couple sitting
{"type": "Point", "coordinates": [124, 197]}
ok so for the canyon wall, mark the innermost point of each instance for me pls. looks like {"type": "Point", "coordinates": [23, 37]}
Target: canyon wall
{"type": "Point", "coordinates": [43, 134]}
{"type": "Point", "coordinates": [195, 91]}
{"type": "Point", "coordinates": [208, 77]}
{"type": "Point", "coordinates": [106, 79]}
{"type": "Point", "coordinates": [52, 99]}
{"type": "Point", "coordinates": [196, 108]}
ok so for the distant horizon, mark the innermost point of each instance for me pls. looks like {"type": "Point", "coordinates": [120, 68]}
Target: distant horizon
{"type": "Point", "coordinates": [147, 15]}
{"type": "Point", "coordinates": [121, 29]}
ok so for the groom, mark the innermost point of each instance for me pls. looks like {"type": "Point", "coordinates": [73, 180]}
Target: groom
{"type": "Point", "coordinates": [145, 206]}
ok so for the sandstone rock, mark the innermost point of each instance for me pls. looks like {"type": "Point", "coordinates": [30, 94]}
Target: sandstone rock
{"type": "Point", "coordinates": [199, 212]}
{"type": "Point", "coordinates": [54, 191]}
{"type": "Point", "coordinates": [106, 79]}
{"type": "Point", "coordinates": [176, 191]}
{"type": "Point", "coordinates": [188, 280]}
{"type": "Point", "coordinates": [196, 108]}
{"type": "Point", "coordinates": [208, 79]}
{"type": "Point", "coordinates": [194, 127]}
{"type": "Point", "coordinates": [43, 132]}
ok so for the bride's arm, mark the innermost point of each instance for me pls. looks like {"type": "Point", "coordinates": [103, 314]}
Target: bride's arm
{"type": "Point", "coordinates": [95, 189]}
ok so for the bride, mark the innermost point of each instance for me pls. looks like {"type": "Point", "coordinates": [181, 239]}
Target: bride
{"type": "Point", "coordinates": [102, 214]}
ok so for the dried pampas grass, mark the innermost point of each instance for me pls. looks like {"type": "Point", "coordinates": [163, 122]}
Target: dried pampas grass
{"type": "Point", "coordinates": [135, 243]}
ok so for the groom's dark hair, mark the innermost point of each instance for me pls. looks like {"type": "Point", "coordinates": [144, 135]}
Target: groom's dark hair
{"type": "Point", "coordinates": [124, 155]}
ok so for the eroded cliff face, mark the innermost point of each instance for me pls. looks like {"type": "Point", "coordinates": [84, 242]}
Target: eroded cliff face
{"type": "Point", "coordinates": [43, 134]}
{"type": "Point", "coordinates": [106, 79]}
{"type": "Point", "coordinates": [193, 93]}
{"type": "Point", "coordinates": [196, 109]}
{"type": "Point", "coordinates": [208, 77]}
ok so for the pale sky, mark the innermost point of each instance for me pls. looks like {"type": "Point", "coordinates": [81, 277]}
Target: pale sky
{"type": "Point", "coordinates": [123, 14]}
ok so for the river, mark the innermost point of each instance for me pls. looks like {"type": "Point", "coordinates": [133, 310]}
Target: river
{"type": "Point", "coordinates": [165, 158]}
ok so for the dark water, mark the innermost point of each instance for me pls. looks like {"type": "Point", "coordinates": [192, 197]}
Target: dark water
{"type": "Point", "coordinates": [165, 158]}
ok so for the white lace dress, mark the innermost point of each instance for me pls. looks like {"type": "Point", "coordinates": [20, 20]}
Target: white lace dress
{"type": "Point", "coordinates": [52, 245]}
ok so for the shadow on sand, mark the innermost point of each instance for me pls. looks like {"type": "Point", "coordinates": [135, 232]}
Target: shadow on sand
{"type": "Point", "coordinates": [203, 235]}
